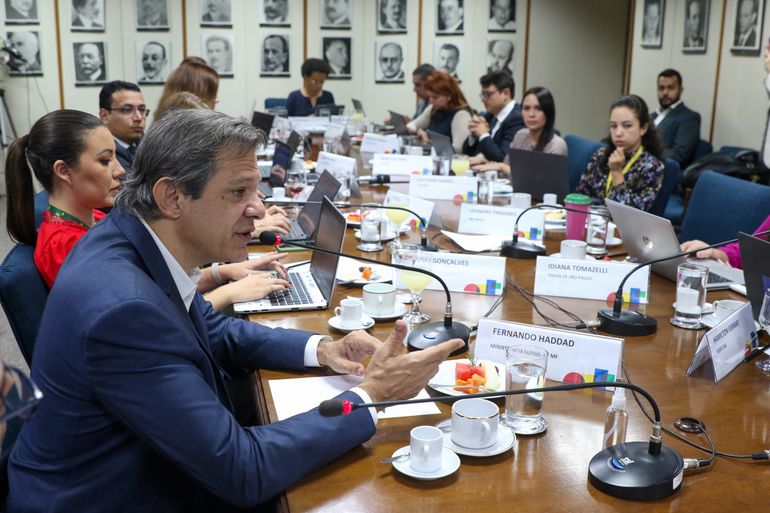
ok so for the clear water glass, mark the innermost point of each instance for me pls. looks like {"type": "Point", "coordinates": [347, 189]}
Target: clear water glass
{"type": "Point", "coordinates": [414, 280]}
{"type": "Point", "coordinates": [525, 369]}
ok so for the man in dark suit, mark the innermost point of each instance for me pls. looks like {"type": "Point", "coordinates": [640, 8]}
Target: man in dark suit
{"type": "Point", "coordinates": [492, 133]}
{"type": "Point", "coordinates": [746, 24]}
{"type": "Point", "coordinates": [679, 126]}
{"type": "Point", "coordinates": [123, 111]}
{"type": "Point", "coordinates": [20, 10]}
{"type": "Point", "coordinates": [133, 361]}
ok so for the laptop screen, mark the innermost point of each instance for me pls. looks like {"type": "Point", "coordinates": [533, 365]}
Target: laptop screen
{"type": "Point", "coordinates": [331, 233]}
{"type": "Point", "coordinates": [262, 121]}
{"type": "Point", "coordinates": [755, 254]}
{"type": "Point", "coordinates": [326, 187]}
{"type": "Point", "coordinates": [358, 106]}
{"type": "Point", "coordinates": [398, 122]}
{"type": "Point", "coordinates": [441, 143]}
{"type": "Point", "coordinates": [539, 173]}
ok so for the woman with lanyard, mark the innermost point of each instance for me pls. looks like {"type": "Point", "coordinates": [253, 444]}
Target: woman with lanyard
{"type": "Point", "coordinates": [630, 168]}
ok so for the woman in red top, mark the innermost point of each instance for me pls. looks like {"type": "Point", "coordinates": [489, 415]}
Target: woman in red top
{"type": "Point", "coordinates": [72, 154]}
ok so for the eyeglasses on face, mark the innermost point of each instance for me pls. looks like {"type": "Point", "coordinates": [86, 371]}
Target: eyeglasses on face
{"type": "Point", "coordinates": [485, 95]}
{"type": "Point", "coordinates": [21, 398]}
{"type": "Point", "coordinates": [128, 110]}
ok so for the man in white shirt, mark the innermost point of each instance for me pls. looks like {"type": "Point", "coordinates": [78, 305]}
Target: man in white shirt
{"type": "Point", "coordinates": [450, 16]}
{"type": "Point", "coordinates": [219, 54]}
{"type": "Point", "coordinates": [391, 12]}
{"type": "Point", "coordinates": [154, 63]}
{"type": "Point", "coordinates": [276, 11]}
{"type": "Point", "coordinates": [336, 13]}
{"type": "Point", "coordinates": [679, 127]}
{"type": "Point", "coordinates": [89, 62]}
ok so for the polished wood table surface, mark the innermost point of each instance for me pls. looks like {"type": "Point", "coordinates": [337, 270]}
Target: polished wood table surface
{"type": "Point", "coordinates": [548, 473]}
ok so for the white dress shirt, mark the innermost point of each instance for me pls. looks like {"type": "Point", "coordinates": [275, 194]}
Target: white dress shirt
{"type": "Point", "coordinates": [661, 115]}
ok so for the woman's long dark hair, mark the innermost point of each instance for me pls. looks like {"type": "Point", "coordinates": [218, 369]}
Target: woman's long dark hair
{"type": "Point", "coordinates": [548, 106]}
{"type": "Point", "coordinates": [650, 140]}
{"type": "Point", "coordinates": [59, 135]}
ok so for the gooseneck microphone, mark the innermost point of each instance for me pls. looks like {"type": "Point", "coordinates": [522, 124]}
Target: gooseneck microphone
{"type": "Point", "coordinates": [383, 179]}
{"type": "Point", "coordinates": [433, 333]}
{"type": "Point", "coordinates": [631, 470]}
{"type": "Point", "coordinates": [630, 323]}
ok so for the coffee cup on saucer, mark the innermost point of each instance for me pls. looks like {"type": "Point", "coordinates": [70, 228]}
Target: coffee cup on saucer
{"type": "Point", "coordinates": [350, 312]}
{"type": "Point", "coordinates": [426, 445]}
{"type": "Point", "coordinates": [724, 307]}
{"type": "Point", "coordinates": [379, 299]}
{"type": "Point", "coordinates": [573, 249]}
{"type": "Point", "coordinates": [474, 423]}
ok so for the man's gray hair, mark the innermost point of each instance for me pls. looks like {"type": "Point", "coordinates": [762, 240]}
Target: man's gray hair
{"type": "Point", "coordinates": [186, 146]}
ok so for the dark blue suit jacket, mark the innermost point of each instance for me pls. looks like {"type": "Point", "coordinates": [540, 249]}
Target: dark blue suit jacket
{"type": "Point", "coordinates": [135, 415]}
{"type": "Point", "coordinates": [495, 148]}
{"type": "Point", "coordinates": [680, 132]}
{"type": "Point", "coordinates": [124, 157]}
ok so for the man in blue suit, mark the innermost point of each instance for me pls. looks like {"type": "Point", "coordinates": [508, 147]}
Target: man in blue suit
{"type": "Point", "coordinates": [492, 133]}
{"type": "Point", "coordinates": [123, 111]}
{"type": "Point", "coordinates": [679, 126]}
{"type": "Point", "coordinates": [132, 361]}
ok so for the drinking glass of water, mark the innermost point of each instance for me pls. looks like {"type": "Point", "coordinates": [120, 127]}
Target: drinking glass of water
{"type": "Point", "coordinates": [690, 295]}
{"type": "Point", "coordinates": [525, 369]}
{"type": "Point", "coordinates": [296, 181]}
{"type": "Point", "coordinates": [764, 321]}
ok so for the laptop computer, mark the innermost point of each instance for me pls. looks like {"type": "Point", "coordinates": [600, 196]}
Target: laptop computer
{"type": "Point", "coordinates": [539, 173]}
{"type": "Point", "coordinates": [358, 106]}
{"type": "Point", "coordinates": [441, 143]}
{"type": "Point", "coordinates": [649, 237]}
{"type": "Point", "coordinates": [282, 156]}
{"type": "Point", "coordinates": [262, 121]}
{"type": "Point", "coordinates": [313, 285]}
{"type": "Point", "coordinates": [399, 123]}
{"type": "Point", "coordinates": [755, 254]}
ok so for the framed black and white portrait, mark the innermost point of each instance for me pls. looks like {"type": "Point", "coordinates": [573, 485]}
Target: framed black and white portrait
{"type": "Point", "coordinates": [274, 13]}
{"type": "Point", "coordinates": [87, 15]}
{"type": "Point", "coordinates": [696, 19]}
{"type": "Point", "coordinates": [500, 56]}
{"type": "Point", "coordinates": [217, 49]}
{"type": "Point", "coordinates": [391, 16]}
{"type": "Point", "coordinates": [389, 60]}
{"type": "Point", "coordinates": [27, 43]}
{"type": "Point", "coordinates": [337, 56]}
{"type": "Point", "coordinates": [652, 23]}
{"type": "Point", "coordinates": [450, 17]}
{"type": "Point", "coordinates": [502, 16]}
{"type": "Point", "coordinates": [747, 35]}
{"type": "Point", "coordinates": [21, 12]}
{"type": "Point", "coordinates": [152, 60]}
{"type": "Point", "coordinates": [151, 15]}
{"type": "Point", "coordinates": [90, 63]}
{"type": "Point", "coordinates": [216, 13]}
{"type": "Point", "coordinates": [275, 56]}
{"type": "Point", "coordinates": [447, 57]}
{"type": "Point", "coordinates": [336, 14]}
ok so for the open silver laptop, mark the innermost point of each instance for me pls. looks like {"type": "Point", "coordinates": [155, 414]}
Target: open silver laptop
{"type": "Point", "coordinates": [649, 237]}
{"type": "Point", "coordinates": [313, 285]}
{"type": "Point", "coordinates": [441, 143]}
{"type": "Point", "coordinates": [358, 106]}
{"type": "Point", "coordinates": [399, 123]}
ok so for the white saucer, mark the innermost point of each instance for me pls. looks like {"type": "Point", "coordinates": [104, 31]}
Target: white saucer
{"type": "Point", "coordinates": [614, 242]}
{"type": "Point", "coordinates": [505, 440]}
{"type": "Point", "coordinates": [336, 323]}
{"type": "Point", "coordinates": [708, 308]}
{"type": "Point", "coordinates": [386, 238]}
{"type": "Point", "coordinates": [587, 257]}
{"type": "Point", "coordinates": [450, 462]}
{"type": "Point", "coordinates": [398, 312]}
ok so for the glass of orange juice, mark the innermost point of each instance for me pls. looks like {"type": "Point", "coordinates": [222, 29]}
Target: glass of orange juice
{"type": "Point", "coordinates": [460, 165]}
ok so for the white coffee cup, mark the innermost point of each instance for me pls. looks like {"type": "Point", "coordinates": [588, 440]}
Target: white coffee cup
{"type": "Point", "coordinates": [521, 200]}
{"type": "Point", "coordinates": [350, 311]}
{"type": "Point", "coordinates": [610, 232]}
{"type": "Point", "coordinates": [426, 444]}
{"type": "Point", "coordinates": [279, 193]}
{"type": "Point", "coordinates": [573, 249]}
{"type": "Point", "coordinates": [724, 307]}
{"type": "Point", "coordinates": [474, 423]}
{"type": "Point", "coordinates": [549, 198]}
{"type": "Point", "coordinates": [379, 298]}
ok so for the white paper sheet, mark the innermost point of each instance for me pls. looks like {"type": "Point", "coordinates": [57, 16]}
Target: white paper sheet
{"type": "Point", "coordinates": [477, 243]}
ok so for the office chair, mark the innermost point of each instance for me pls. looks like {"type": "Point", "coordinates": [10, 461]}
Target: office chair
{"type": "Point", "coordinates": [672, 174]}
{"type": "Point", "coordinates": [579, 151]}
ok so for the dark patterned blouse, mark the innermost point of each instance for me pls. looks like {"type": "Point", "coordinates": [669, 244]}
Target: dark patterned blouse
{"type": "Point", "coordinates": [640, 184]}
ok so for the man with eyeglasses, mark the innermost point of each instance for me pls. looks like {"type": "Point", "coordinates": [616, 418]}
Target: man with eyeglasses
{"type": "Point", "coordinates": [123, 111]}
{"type": "Point", "coordinates": [492, 133]}
{"type": "Point", "coordinates": [391, 59]}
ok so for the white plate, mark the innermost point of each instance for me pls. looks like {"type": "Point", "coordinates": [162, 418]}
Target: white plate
{"type": "Point", "coordinates": [587, 257]}
{"type": "Point", "coordinates": [446, 376]}
{"type": "Point", "coordinates": [505, 440]}
{"type": "Point", "coordinates": [336, 323]}
{"type": "Point", "coordinates": [399, 312]}
{"type": "Point", "coordinates": [450, 462]}
{"type": "Point", "coordinates": [614, 242]}
{"type": "Point", "coordinates": [708, 308]}
{"type": "Point", "coordinates": [501, 189]}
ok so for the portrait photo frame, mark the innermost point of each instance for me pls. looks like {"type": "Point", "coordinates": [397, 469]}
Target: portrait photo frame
{"type": "Point", "coordinates": [15, 15]}
{"type": "Point", "coordinates": [333, 19]}
{"type": "Point", "coordinates": [389, 60]}
{"type": "Point", "coordinates": [502, 16]}
{"type": "Point", "coordinates": [391, 16]}
{"type": "Point", "coordinates": [275, 55]}
{"type": "Point", "coordinates": [274, 13]}
{"type": "Point", "coordinates": [87, 17]}
{"type": "Point", "coordinates": [500, 55]}
{"type": "Point", "coordinates": [217, 50]}
{"type": "Point", "coordinates": [216, 13]}
{"type": "Point", "coordinates": [450, 17]}
{"type": "Point", "coordinates": [153, 60]}
{"type": "Point", "coordinates": [152, 15]}
{"type": "Point", "coordinates": [747, 33]}
{"type": "Point", "coordinates": [653, 14]}
{"type": "Point", "coordinates": [334, 49]}
{"type": "Point", "coordinates": [448, 56]}
{"type": "Point", "coordinates": [90, 63]}
{"type": "Point", "coordinates": [27, 42]}
{"type": "Point", "coordinates": [696, 25]}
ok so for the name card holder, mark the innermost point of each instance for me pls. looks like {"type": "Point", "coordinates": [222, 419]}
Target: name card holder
{"type": "Point", "coordinates": [499, 220]}
{"type": "Point", "coordinates": [394, 164]}
{"type": "Point", "coordinates": [471, 274]}
{"type": "Point", "coordinates": [452, 188]}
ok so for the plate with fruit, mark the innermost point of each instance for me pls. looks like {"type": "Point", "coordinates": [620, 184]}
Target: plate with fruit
{"type": "Point", "coordinates": [353, 272]}
{"type": "Point", "coordinates": [462, 377]}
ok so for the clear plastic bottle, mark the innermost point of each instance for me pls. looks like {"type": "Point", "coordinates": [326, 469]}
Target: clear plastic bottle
{"type": "Point", "coordinates": [617, 420]}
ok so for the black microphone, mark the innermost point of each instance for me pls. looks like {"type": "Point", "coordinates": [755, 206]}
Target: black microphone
{"type": "Point", "coordinates": [383, 179]}
{"type": "Point", "coordinates": [629, 323]}
{"type": "Point", "coordinates": [631, 470]}
{"type": "Point", "coordinates": [433, 333]}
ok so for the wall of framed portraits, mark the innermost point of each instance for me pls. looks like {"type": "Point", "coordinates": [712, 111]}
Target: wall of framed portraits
{"type": "Point", "coordinates": [722, 83]}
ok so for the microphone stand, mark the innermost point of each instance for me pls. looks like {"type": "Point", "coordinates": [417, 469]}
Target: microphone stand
{"type": "Point", "coordinates": [630, 323]}
{"type": "Point", "coordinates": [433, 333]}
{"type": "Point", "coordinates": [631, 470]}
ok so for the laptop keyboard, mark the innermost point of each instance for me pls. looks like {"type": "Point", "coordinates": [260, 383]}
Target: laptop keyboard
{"type": "Point", "coordinates": [715, 278]}
{"type": "Point", "coordinates": [296, 232]}
{"type": "Point", "coordinates": [265, 189]}
{"type": "Point", "coordinates": [296, 295]}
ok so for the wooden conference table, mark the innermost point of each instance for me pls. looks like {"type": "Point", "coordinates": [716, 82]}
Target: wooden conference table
{"type": "Point", "coordinates": [548, 473]}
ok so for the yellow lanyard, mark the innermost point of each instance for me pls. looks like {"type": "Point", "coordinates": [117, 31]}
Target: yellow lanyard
{"type": "Point", "coordinates": [608, 184]}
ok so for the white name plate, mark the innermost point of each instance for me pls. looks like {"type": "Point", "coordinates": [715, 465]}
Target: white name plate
{"type": "Point", "coordinates": [376, 143]}
{"type": "Point", "coordinates": [335, 164]}
{"type": "Point", "coordinates": [395, 164]}
{"type": "Point", "coordinates": [495, 220]}
{"type": "Point", "coordinates": [727, 344]}
{"type": "Point", "coordinates": [574, 357]}
{"type": "Point", "coordinates": [590, 279]}
{"type": "Point", "coordinates": [309, 123]}
{"type": "Point", "coordinates": [472, 274]}
{"type": "Point", "coordinates": [453, 188]}
{"type": "Point", "coordinates": [423, 207]}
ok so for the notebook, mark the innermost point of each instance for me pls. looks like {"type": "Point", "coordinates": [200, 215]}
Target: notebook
{"type": "Point", "coordinates": [399, 123]}
{"type": "Point", "coordinates": [539, 173]}
{"type": "Point", "coordinates": [648, 237]}
{"type": "Point", "coordinates": [313, 285]}
{"type": "Point", "coordinates": [755, 254]}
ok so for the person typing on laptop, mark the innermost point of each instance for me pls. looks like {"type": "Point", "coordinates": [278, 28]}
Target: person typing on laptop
{"type": "Point", "coordinates": [729, 254]}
